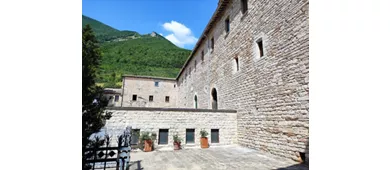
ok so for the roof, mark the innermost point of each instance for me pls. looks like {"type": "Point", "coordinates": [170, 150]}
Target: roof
{"type": "Point", "coordinates": [217, 14]}
{"type": "Point", "coordinates": [112, 91]}
{"type": "Point", "coordinates": [150, 77]}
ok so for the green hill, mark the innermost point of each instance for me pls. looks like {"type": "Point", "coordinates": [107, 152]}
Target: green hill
{"type": "Point", "coordinates": [104, 32]}
{"type": "Point", "coordinates": [128, 52]}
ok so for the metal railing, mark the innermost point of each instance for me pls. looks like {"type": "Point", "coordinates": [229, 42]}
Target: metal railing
{"type": "Point", "coordinates": [118, 157]}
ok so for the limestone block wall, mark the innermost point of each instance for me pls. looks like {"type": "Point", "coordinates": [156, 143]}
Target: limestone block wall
{"type": "Point", "coordinates": [144, 87]}
{"type": "Point", "coordinates": [177, 121]}
{"type": "Point", "coordinates": [270, 93]}
{"type": "Point", "coordinates": [195, 81]}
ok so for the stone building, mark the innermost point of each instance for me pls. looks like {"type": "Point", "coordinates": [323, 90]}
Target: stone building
{"type": "Point", "coordinates": [114, 96]}
{"type": "Point", "coordinates": [144, 91]}
{"type": "Point", "coordinates": [252, 57]}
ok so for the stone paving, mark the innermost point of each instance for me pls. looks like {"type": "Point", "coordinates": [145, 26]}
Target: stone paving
{"type": "Point", "coordinates": [218, 157]}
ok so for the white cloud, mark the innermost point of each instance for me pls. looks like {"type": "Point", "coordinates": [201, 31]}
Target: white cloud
{"type": "Point", "coordinates": [161, 34]}
{"type": "Point", "coordinates": [180, 34]}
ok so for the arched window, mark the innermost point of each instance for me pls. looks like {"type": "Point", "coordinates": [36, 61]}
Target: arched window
{"type": "Point", "coordinates": [196, 101]}
{"type": "Point", "coordinates": [214, 103]}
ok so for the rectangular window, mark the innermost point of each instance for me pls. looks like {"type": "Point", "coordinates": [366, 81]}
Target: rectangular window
{"type": "Point", "coordinates": [134, 136]}
{"type": "Point", "coordinates": [150, 98]}
{"type": "Point", "coordinates": [195, 66]}
{"type": "Point", "coordinates": [163, 136]}
{"type": "Point", "coordinates": [202, 56]}
{"type": "Point", "coordinates": [190, 135]}
{"type": "Point", "coordinates": [227, 25]}
{"type": "Point", "coordinates": [156, 83]}
{"type": "Point", "coordinates": [260, 46]}
{"type": "Point", "coordinates": [212, 43]}
{"type": "Point", "coordinates": [134, 97]}
{"type": "Point", "coordinates": [214, 135]}
{"type": "Point", "coordinates": [238, 66]}
{"type": "Point", "coordinates": [244, 6]}
{"type": "Point", "coordinates": [116, 98]}
{"type": "Point", "coordinates": [167, 99]}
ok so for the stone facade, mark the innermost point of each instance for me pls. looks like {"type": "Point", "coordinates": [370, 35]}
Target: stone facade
{"type": "Point", "coordinates": [271, 92]}
{"type": "Point", "coordinates": [259, 68]}
{"type": "Point", "coordinates": [114, 96]}
{"type": "Point", "coordinates": [144, 87]}
{"type": "Point", "coordinates": [177, 121]}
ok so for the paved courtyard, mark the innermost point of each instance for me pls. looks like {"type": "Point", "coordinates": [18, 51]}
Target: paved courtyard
{"type": "Point", "coordinates": [217, 157]}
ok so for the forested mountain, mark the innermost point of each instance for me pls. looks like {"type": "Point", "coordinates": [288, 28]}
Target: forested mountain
{"type": "Point", "coordinates": [104, 32]}
{"type": "Point", "coordinates": [128, 52]}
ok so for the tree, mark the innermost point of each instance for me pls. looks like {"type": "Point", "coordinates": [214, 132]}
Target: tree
{"type": "Point", "coordinates": [94, 103]}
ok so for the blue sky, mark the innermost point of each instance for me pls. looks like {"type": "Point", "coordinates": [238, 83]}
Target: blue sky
{"type": "Point", "coordinates": [180, 21]}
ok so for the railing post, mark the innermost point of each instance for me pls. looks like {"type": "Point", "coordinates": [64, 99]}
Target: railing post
{"type": "Point", "coordinates": [94, 157]}
{"type": "Point", "coordinates": [128, 144]}
{"type": "Point", "coordinates": [105, 157]}
{"type": "Point", "coordinates": [117, 158]}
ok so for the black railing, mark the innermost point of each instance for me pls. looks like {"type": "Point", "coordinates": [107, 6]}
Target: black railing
{"type": "Point", "coordinates": [119, 156]}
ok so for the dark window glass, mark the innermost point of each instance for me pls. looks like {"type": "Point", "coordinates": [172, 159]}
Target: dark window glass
{"type": "Point", "coordinates": [260, 44]}
{"type": "Point", "coordinates": [166, 98]}
{"type": "Point", "coordinates": [238, 67]}
{"type": "Point", "coordinates": [135, 136]}
{"type": "Point", "coordinates": [227, 25]}
{"type": "Point", "coordinates": [156, 83]}
{"type": "Point", "coordinates": [134, 97]}
{"type": "Point", "coordinates": [116, 98]}
{"type": "Point", "coordinates": [150, 98]}
{"type": "Point", "coordinates": [212, 43]}
{"type": "Point", "coordinates": [190, 135]}
{"type": "Point", "coordinates": [214, 135]}
{"type": "Point", "coordinates": [163, 136]}
{"type": "Point", "coordinates": [202, 56]}
{"type": "Point", "coordinates": [195, 66]}
{"type": "Point", "coordinates": [244, 6]}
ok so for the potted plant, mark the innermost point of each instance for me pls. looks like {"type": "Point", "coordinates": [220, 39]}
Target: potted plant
{"type": "Point", "coordinates": [204, 143]}
{"type": "Point", "coordinates": [176, 142]}
{"type": "Point", "coordinates": [147, 142]}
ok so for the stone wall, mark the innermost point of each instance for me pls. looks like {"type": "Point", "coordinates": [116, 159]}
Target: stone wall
{"type": "Point", "coordinates": [144, 87]}
{"type": "Point", "coordinates": [177, 121]}
{"type": "Point", "coordinates": [111, 94]}
{"type": "Point", "coordinates": [270, 93]}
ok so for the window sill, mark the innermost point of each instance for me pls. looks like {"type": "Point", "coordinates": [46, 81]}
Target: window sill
{"type": "Point", "coordinates": [258, 58]}
{"type": "Point", "coordinates": [227, 34]}
{"type": "Point", "coordinates": [244, 15]}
